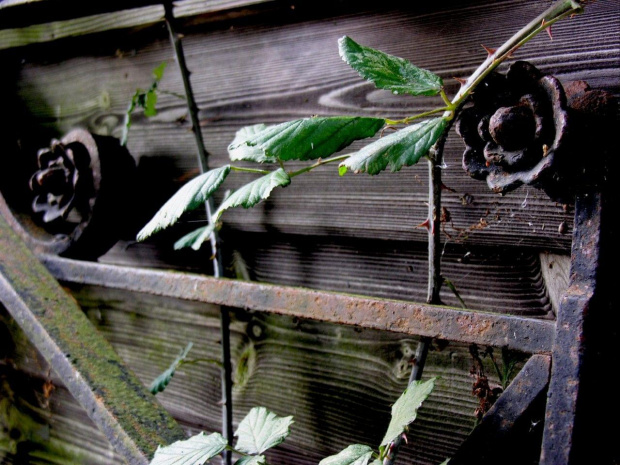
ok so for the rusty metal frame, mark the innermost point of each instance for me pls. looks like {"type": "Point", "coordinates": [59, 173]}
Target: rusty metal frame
{"type": "Point", "coordinates": [114, 398]}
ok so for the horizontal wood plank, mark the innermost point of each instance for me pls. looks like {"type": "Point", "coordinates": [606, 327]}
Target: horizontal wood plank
{"type": "Point", "coordinates": [288, 67]}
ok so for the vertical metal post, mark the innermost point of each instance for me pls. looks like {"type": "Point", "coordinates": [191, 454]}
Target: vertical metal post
{"type": "Point", "coordinates": [218, 270]}
{"type": "Point", "coordinates": [563, 418]}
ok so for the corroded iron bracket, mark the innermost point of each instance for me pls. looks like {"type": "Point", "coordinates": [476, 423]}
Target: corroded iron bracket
{"type": "Point", "coordinates": [117, 402]}
{"type": "Point", "coordinates": [525, 127]}
{"type": "Point", "coordinates": [81, 194]}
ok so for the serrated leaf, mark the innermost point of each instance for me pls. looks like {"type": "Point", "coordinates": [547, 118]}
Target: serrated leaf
{"type": "Point", "coordinates": [405, 409]}
{"type": "Point", "coordinates": [193, 451]}
{"type": "Point", "coordinates": [387, 71]}
{"type": "Point", "coordinates": [252, 193]}
{"type": "Point", "coordinates": [196, 238]}
{"type": "Point", "coordinates": [161, 382]}
{"type": "Point", "coordinates": [158, 72]}
{"type": "Point", "coordinates": [311, 138]}
{"type": "Point", "coordinates": [356, 454]}
{"type": "Point", "coordinates": [251, 460]}
{"type": "Point", "coordinates": [239, 150]}
{"type": "Point", "coordinates": [260, 430]}
{"type": "Point", "coordinates": [189, 197]}
{"type": "Point", "coordinates": [401, 148]}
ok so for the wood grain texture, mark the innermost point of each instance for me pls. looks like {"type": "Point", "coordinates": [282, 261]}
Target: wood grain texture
{"type": "Point", "coordinates": [269, 69]}
{"type": "Point", "coordinates": [338, 382]}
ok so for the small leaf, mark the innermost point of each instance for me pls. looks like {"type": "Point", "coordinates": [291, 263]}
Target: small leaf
{"type": "Point", "coordinates": [150, 103]}
{"type": "Point", "coordinates": [189, 197]}
{"type": "Point", "coordinates": [405, 409]}
{"type": "Point", "coordinates": [342, 170]}
{"type": "Point", "coordinates": [402, 148]}
{"type": "Point", "coordinates": [161, 382]}
{"type": "Point", "coordinates": [196, 238]}
{"type": "Point", "coordinates": [261, 430]}
{"type": "Point", "coordinates": [251, 460]}
{"type": "Point", "coordinates": [158, 73]}
{"type": "Point", "coordinates": [239, 150]}
{"type": "Point", "coordinates": [252, 193]}
{"type": "Point", "coordinates": [310, 138]}
{"type": "Point", "coordinates": [387, 71]}
{"type": "Point", "coordinates": [193, 451]}
{"type": "Point", "coordinates": [356, 454]}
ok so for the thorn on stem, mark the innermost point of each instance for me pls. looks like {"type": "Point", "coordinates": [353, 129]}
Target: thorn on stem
{"type": "Point", "coordinates": [544, 24]}
{"type": "Point", "coordinates": [460, 80]}
{"type": "Point", "coordinates": [490, 51]}
{"type": "Point", "coordinates": [426, 224]}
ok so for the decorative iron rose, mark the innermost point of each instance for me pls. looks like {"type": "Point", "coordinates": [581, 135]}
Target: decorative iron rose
{"type": "Point", "coordinates": [57, 181]}
{"type": "Point", "coordinates": [516, 130]}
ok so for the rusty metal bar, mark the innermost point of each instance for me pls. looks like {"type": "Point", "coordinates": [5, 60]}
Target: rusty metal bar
{"type": "Point", "coordinates": [94, 374]}
{"type": "Point", "coordinates": [562, 416]}
{"type": "Point", "coordinates": [487, 444]}
{"type": "Point", "coordinates": [493, 329]}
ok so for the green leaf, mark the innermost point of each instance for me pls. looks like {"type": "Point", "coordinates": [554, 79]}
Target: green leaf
{"type": "Point", "coordinates": [356, 454]}
{"type": "Point", "coordinates": [377, 462]}
{"type": "Point", "coordinates": [310, 138]}
{"type": "Point", "coordinates": [160, 383]}
{"type": "Point", "coordinates": [196, 238]}
{"type": "Point", "coordinates": [189, 197]}
{"type": "Point", "coordinates": [251, 460]}
{"type": "Point", "coordinates": [158, 73]}
{"type": "Point", "coordinates": [150, 103]}
{"type": "Point", "coordinates": [387, 71]}
{"type": "Point", "coordinates": [252, 193]}
{"type": "Point", "coordinates": [193, 451]}
{"type": "Point", "coordinates": [445, 462]}
{"type": "Point", "coordinates": [405, 409]}
{"type": "Point", "coordinates": [401, 148]}
{"type": "Point", "coordinates": [260, 430]}
{"type": "Point", "coordinates": [239, 150]}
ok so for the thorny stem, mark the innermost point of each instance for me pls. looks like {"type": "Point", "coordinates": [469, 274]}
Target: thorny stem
{"type": "Point", "coordinates": [249, 170]}
{"type": "Point", "coordinates": [319, 163]}
{"type": "Point", "coordinates": [408, 119]}
{"type": "Point", "coordinates": [557, 11]}
{"type": "Point", "coordinates": [218, 269]}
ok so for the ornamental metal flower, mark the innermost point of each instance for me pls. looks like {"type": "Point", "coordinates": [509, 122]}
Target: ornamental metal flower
{"type": "Point", "coordinates": [516, 130]}
{"type": "Point", "coordinates": [56, 182]}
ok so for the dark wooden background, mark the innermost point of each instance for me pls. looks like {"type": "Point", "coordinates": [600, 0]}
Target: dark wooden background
{"type": "Point", "coordinates": [271, 61]}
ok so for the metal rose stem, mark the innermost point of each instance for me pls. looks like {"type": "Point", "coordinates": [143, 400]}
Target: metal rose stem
{"type": "Point", "coordinates": [218, 271]}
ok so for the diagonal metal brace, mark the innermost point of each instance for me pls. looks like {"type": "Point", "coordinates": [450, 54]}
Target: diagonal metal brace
{"type": "Point", "coordinates": [94, 374]}
{"type": "Point", "coordinates": [488, 442]}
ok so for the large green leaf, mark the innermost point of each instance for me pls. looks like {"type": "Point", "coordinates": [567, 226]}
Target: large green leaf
{"type": "Point", "coordinates": [356, 454]}
{"type": "Point", "coordinates": [193, 451]}
{"type": "Point", "coordinates": [405, 409]}
{"type": "Point", "coordinates": [260, 430]}
{"type": "Point", "coordinates": [251, 460]}
{"type": "Point", "coordinates": [239, 150]}
{"type": "Point", "coordinates": [387, 71]}
{"type": "Point", "coordinates": [252, 193]}
{"type": "Point", "coordinates": [401, 148]}
{"type": "Point", "coordinates": [310, 138]}
{"type": "Point", "coordinates": [161, 382]}
{"type": "Point", "coordinates": [189, 197]}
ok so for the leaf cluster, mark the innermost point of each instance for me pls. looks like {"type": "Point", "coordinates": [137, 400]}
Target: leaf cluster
{"type": "Point", "coordinates": [145, 99]}
{"type": "Point", "coordinates": [259, 431]}
{"type": "Point", "coordinates": [309, 139]}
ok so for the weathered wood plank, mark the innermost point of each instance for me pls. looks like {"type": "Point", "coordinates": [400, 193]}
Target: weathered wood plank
{"type": "Point", "coordinates": [269, 70]}
{"type": "Point", "coordinates": [338, 382]}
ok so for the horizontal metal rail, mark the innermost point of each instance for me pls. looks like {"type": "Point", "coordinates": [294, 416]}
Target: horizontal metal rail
{"type": "Point", "coordinates": [493, 329]}
{"type": "Point", "coordinates": [113, 397]}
